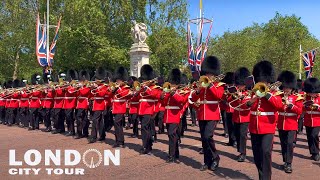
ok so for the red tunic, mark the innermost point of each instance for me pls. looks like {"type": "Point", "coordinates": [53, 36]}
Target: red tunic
{"type": "Point", "coordinates": [173, 107]}
{"type": "Point", "coordinates": [99, 103]}
{"type": "Point", "coordinates": [2, 100]}
{"type": "Point", "coordinates": [24, 100]}
{"type": "Point", "coordinates": [263, 117]}
{"type": "Point", "coordinates": [209, 109]}
{"type": "Point", "coordinates": [312, 117]}
{"type": "Point", "coordinates": [59, 98]}
{"type": "Point", "coordinates": [288, 115]}
{"type": "Point", "coordinates": [47, 101]}
{"type": "Point", "coordinates": [241, 114]}
{"type": "Point", "coordinates": [14, 102]}
{"type": "Point", "coordinates": [84, 94]}
{"type": "Point", "coordinates": [35, 101]}
{"type": "Point", "coordinates": [134, 104]}
{"type": "Point", "coordinates": [70, 101]}
{"type": "Point", "coordinates": [119, 104]}
{"type": "Point", "coordinates": [147, 100]}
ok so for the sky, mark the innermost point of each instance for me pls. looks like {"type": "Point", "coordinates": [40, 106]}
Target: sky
{"type": "Point", "coordinates": [237, 14]}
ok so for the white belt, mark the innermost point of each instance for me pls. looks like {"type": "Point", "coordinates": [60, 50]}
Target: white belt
{"type": "Point", "coordinates": [98, 98]}
{"type": "Point", "coordinates": [1, 99]}
{"type": "Point", "coordinates": [59, 98]}
{"type": "Point", "coordinates": [313, 112]}
{"type": "Point", "coordinates": [69, 97]}
{"type": "Point", "coordinates": [287, 114]}
{"type": "Point", "coordinates": [209, 102]}
{"type": "Point", "coordinates": [24, 99]}
{"type": "Point", "coordinates": [106, 96]}
{"type": "Point", "coordinates": [47, 98]}
{"type": "Point", "coordinates": [146, 100]}
{"type": "Point", "coordinates": [35, 98]}
{"type": "Point", "coordinates": [239, 109]}
{"type": "Point", "coordinates": [134, 102]}
{"type": "Point", "coordinates": [256, 113]}
{"type": "Point", "coordinates": [172, 107]}
{"type": "Point", "coordinates": [119, 100]}
{"type": "Point", "coordinates": [82, 98]}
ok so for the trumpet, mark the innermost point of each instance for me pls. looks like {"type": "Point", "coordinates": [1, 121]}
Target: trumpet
{"type": "Point", "coordinates": [263, 89]}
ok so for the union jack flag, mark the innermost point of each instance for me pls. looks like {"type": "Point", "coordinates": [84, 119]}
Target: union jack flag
{"type": "Point", "coordinates": [191, 58]}
{"type": "Point", "coordinates": [199, 46]}
{"type": "Point", "coordinates": [53, 45]}
{"type": "Point", "coordinates": [205, 49]}
{"type": "Point", "coordinates": [308, 61]}
{"type": "Point", "coordinates": [41, 39]}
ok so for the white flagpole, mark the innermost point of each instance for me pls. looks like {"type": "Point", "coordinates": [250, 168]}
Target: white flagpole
{"type": "Point", "coordinates": [300, 62]}
{"type": "Point", "coordinates": [47, 26]}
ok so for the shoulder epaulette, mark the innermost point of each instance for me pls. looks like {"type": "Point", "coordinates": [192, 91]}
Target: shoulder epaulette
{"type": "Point", "coordinates": [300, 97]}
{"type": "Point", "coordinates": [277, 93]}
{"type": "Point", "coordinates": [220, 84]}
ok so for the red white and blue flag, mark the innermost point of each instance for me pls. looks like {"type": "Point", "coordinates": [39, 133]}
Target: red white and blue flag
{"type": "Point", "coordinates": [41, 39]}
{"type": "Point", "coordinates": [191, 57]}
{"type": "Point", "coordinates": [308, 61]}
{"type": "Point", "coordinates": [199, 46]}
{"type": "Point", "coordinates": [205, 49]}
{"type": "Point", "coordinates": [53, 44]}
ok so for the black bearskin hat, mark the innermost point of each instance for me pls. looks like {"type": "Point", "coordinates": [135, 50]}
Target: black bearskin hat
{"type": "Point", "coordinates": [240, 76]}
{"type": "Point", "coordinates": [288, 80]}
{"type": "Point", "coordinates": [311, 85]}
{"type": "Point", "coordinates": [264, 71]}
{"type": "Point", "coordinates": [72, 75]}
{"type": "Point", "coordinates": [299, 84]}
{"type": "Point", "coordinates": [8, 84]}
{"type": "Point", "coordinates": [121, 74]}
{"type": "Point", "coordinates": [146, 72]}
{"type": "Point", "coordinates": [210, 65]}
{"type": "Point", "coordinates": [229, 78]}
{"type": "Point", "coordinates": [16, 83]}
{"type": "Point", "coordinates": [100, 73]}
{"type": "Point", "coordinates": [84, 75]}
{"type": "Point", "coordinates": [174, 76]}
{"type": "Point", "coordinates": [24, 82]}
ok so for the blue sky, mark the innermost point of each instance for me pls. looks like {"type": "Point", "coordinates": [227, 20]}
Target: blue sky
{"type": "Point", "coordinates": [236, 14]}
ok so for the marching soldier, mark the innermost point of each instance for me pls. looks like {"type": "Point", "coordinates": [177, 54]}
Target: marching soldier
{"type": "Point", "coordinates": [8, 110]}
{"type": "Point", "coordinates": [264, 106]}
{"type": "Point", "coordinates": [59, 114]}
{"type": "Point", "coordinates": [288, 117]}
{"type": "Point", "coordinates": [146, 106]}
{"type": "Point", "coordinates": [208, 111]}
{"type": "Point", "coordinates": [35, 102]}
{"type": "Point", "coordinates": [98, 107]}
{"type": "Point", "coordinates": [241, 114]}
{"type": "Point", "coordinates": [173, 102]}
{"type": "Point", "coordinates": [312, 115]}
{"type": "Point", "coordinates": [2, 106]}
{"type": "Point", "coordinates": [120, 95]}
{"type": "Point", "coordinates": [84, 94]}
{"type": "Point", "coordinates": [13, 105]}
{"type": "Point", "coordinates": [70, 102]}
{"type": "Point", "coordinates": [47, 104]}
{"type": "Point", "coordinates": [133, 108]}
{"type": "Point", "coordinates": [24, 106]}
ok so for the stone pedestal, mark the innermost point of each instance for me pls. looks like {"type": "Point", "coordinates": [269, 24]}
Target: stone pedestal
{"type": "Point", "coordinates": [139, 55]}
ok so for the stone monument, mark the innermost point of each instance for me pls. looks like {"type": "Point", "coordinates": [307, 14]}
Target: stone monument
{"type": "Point", "coordinates": [139, 51]}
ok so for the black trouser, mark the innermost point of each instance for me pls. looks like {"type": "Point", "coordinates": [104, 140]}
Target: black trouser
{"type": "Point", "coordinates": [70, 120]}
{"type": "Point", "coordinates": [153, 125]}
{"type": "Point", "coordinates": [230, 127]}
{"type": "Point", "coordinates": [224, 121]}
{"type": "Point", "coordinates": [135, 121]}
{"type": "Point", "coordinates": [262, 150]}
{"type": "Point", "coordinates": [146, 131]}
{"type": "Point", "coordinates": [2, 114]}
{"type": "Point", "coordinates": [173, 140]}
{"type": "Point", "coordinates": [97, 125]}
{"type": "Point", "coordinates": [193, 115]}
{"type": "Point", "coordinates": [183, 123]}
{"type": "Point", "coordinates": [11, 115]}
{"type": "Point", "coordinates": [241, 130]}
{"type": "Point", "coordinates": [24, 116]}
{"type": "Point", "coordinates": [300, 122]}
{"type": "Point", "coordinates": [208, 145]}
{"type": "Point", "coordinates": [160, 121]}
{"type": "Point", "coordinates": [59, 117]}
{"type": "Point", "coordinates": [82, 122]}
{"type": "Point", "coordinates": [108, 119]}
{"type": "Point", "coordinates": [34, 118]}
{"type": "Point", "coordinates": [118, 128]}
{"type": "Point", "coordinates": [286, 140]}
{"type": "Point", "coordinates": [313, 139]}
{"type": "Point", "coordinates": [46, 114]}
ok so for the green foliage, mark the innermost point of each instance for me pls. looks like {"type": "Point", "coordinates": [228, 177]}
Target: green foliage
{"type": "Point", "coordinates": [277, 41]}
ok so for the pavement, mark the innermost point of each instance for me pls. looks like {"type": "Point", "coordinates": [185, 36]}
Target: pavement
{"type": "Point", "coordinates": [136, 166]}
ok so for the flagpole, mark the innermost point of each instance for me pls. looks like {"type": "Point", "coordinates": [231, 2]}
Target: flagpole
{"type": "Point", "coordinates": [47, 26]}
{"type": "Point", "coordinates": [300, 62]}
